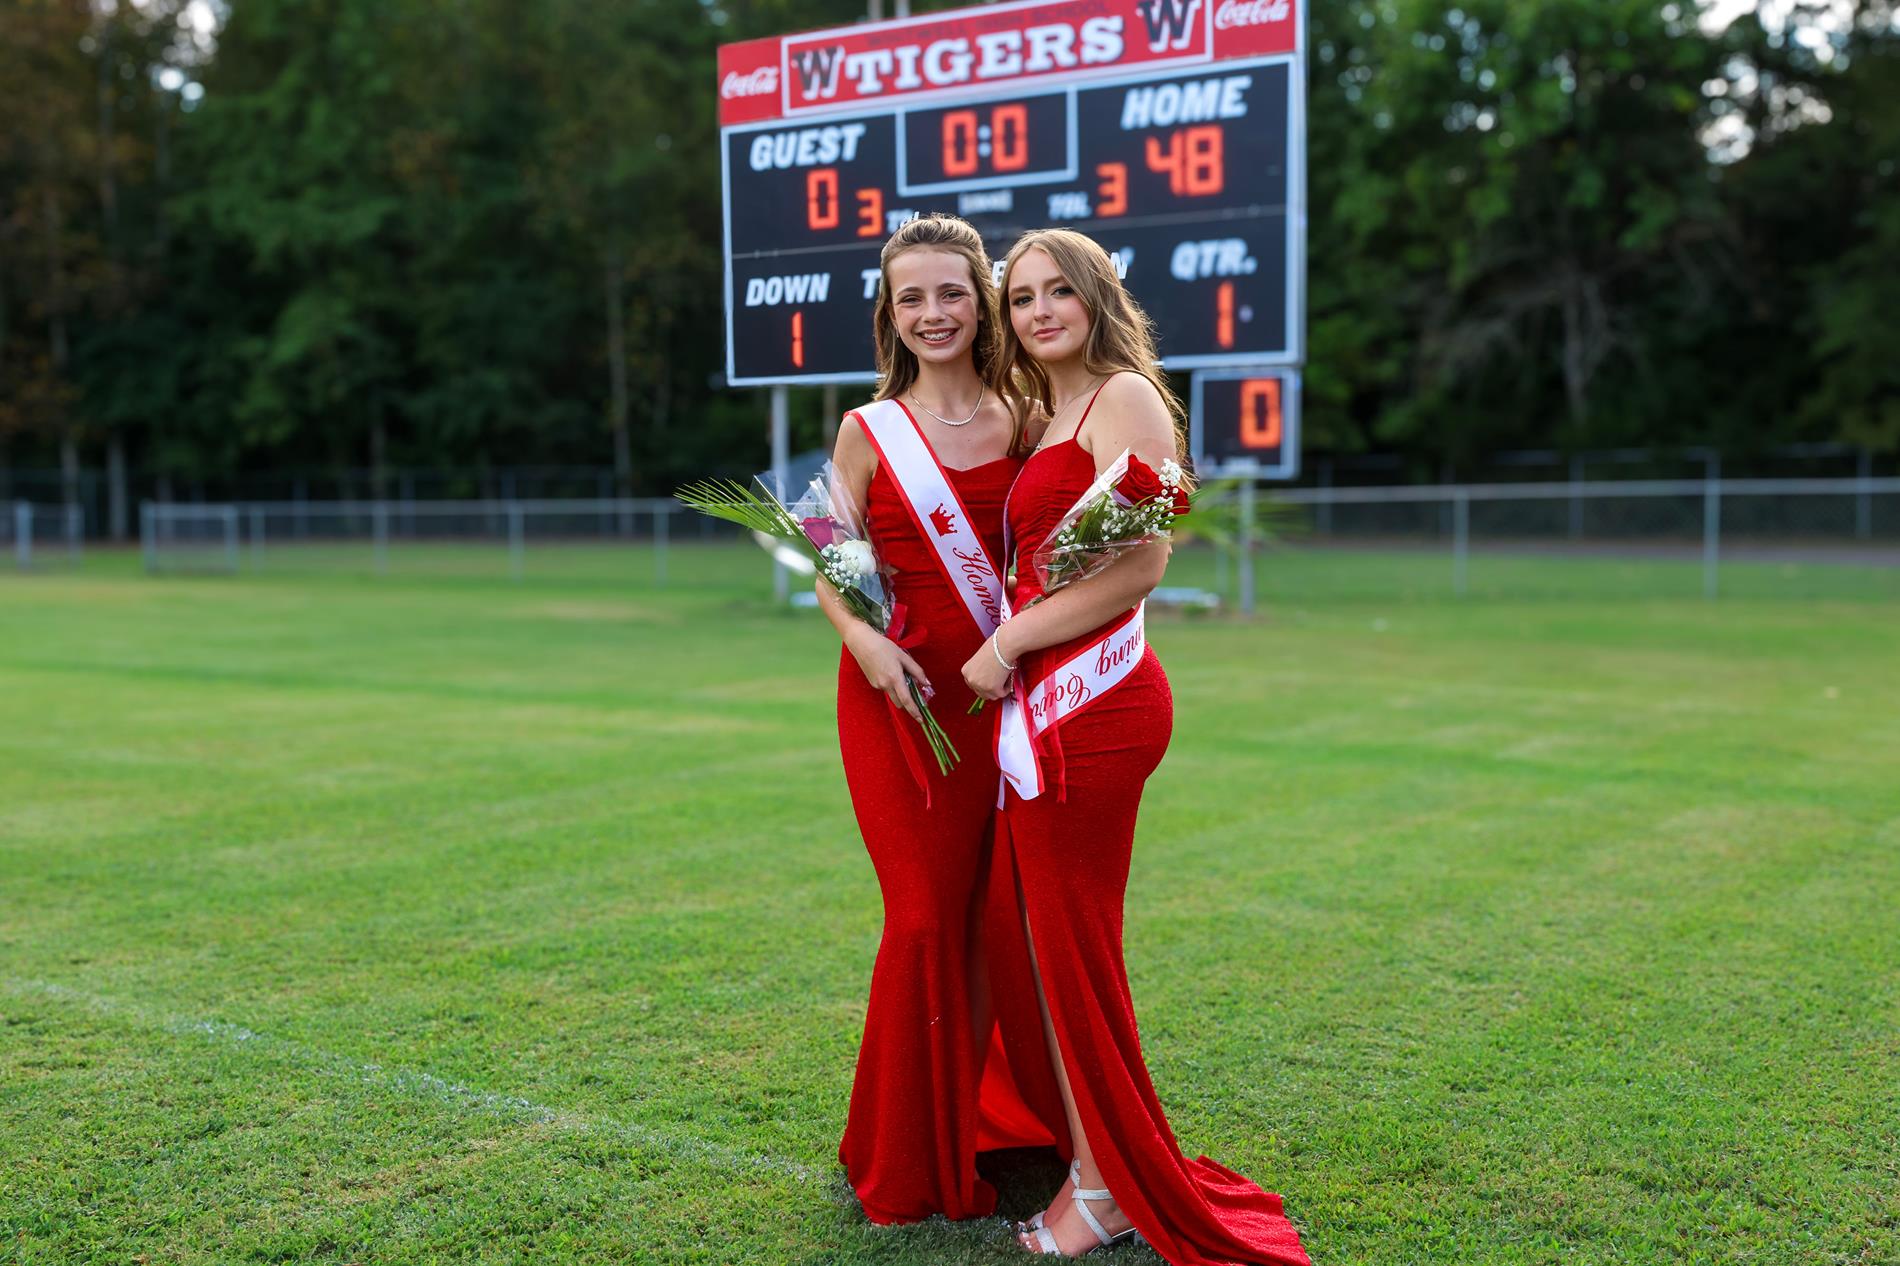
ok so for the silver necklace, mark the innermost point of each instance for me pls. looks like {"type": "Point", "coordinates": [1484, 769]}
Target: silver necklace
{"type": "Point", "coordinates": [951, 421]}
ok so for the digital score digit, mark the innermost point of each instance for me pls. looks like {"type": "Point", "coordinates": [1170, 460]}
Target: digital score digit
{"type": "Point", "coordinates": [1191, 157]}
{"type": "Point", "coordinates": [1262, 417]}
{"type": "Point", "coordinates": [1245, 422]}
{"type": "Point", "coordinates": [824, 205]}
{"type": "Point", "coordinates": [821, 199]}
{"type": "Point", "coordinates": [1112, 192]}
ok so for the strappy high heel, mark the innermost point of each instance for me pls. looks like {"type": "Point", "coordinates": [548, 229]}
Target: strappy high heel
{"type": "Point", "coordinates": [1046, 1239]}
{"type": "Point", "coordinates": [1075, 1180]}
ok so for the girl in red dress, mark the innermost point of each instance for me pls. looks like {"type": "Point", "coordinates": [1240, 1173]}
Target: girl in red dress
{"type": "Point", "coordinates": [929, 462]}
{"type": "Point", "coordinates": [1086, 353]}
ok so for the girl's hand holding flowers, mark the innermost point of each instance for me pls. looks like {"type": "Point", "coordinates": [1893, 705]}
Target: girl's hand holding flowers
{"type": "Point", "coordinates": [889, 668]}
{"type": "Point", "coordinates": [825, 524]}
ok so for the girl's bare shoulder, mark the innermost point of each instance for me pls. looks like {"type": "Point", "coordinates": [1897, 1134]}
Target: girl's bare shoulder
{"type": "Point", "coordinates": [1126, 389]}
{"type": "Point", "coordinates": [1133, 415]}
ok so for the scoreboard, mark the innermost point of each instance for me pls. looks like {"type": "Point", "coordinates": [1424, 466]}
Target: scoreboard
{"type": "Point", "coordinates": [1170, 131]}
{"type": "Point", "coordinates": [1246, 422]}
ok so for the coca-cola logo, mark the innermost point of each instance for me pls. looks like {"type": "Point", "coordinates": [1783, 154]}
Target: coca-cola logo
{"type": "Point", "coordinates": [1233, 13]}
{"type": "Point", "coordinates": [756, 84]}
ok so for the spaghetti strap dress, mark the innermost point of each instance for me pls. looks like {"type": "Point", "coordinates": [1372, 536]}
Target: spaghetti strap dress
{"type": "Point", "coordinates": [1065, 856]}
{"type": "Point", "coordinates": [921, 1107]}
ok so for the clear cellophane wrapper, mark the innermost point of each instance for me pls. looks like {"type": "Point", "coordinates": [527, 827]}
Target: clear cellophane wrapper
{"type": "Point", "coordinates": [1100, 527]}
{"type": "Point", "coordinates": [837, 528]}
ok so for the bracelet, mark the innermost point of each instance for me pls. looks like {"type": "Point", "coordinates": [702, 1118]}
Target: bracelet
{"type": "Point", "coordinates": [997, 651]}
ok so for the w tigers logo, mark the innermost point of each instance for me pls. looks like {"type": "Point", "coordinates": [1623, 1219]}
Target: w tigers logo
{"type": "Point", "coordinates": [818, 70]}
{"type": "Point", "coordinates": [1170, 22]}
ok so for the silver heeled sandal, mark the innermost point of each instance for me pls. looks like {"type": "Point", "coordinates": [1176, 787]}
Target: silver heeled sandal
{"type": "Point", "coordinates": [1075, 1180]}
{"type": "Point", "coordinates": [1046, 1239]}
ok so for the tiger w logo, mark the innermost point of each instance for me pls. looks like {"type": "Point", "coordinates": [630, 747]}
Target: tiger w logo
{"type": "Point", "coordinates": [818, 68]}
{"type": "Point", "coordinates": [1170, 22]}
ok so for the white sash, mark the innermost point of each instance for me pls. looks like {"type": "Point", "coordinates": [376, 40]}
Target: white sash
{"type": "Point", "coordinates": [933, 505]}
{"type": "Point", "coordinates": [1058, 694]}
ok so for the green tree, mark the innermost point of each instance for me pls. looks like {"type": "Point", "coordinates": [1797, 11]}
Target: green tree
{"type": "Point", "coordinates": [1819, 196]}
{"type": "Point", "coordinates": [292, 161]}
{"type": "Point", "coordinates": [1526, 180]}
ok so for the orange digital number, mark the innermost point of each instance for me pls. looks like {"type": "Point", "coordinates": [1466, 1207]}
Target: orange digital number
{"type": "Point", "coordinates": [1112, 193]}
{"type": "Point", "coordinates": [1260, 413]}
{"type": "Point", "coordinates": [821, 198]}
{"type": "Point", "coordinates": [959, 143]}
{"type": "Point", "coordinates": [870, 213]}
{"type": "Point", "coordinates": [1009, 137]}
{"type": "Point", "coordinates": [1203, 171]}
{"type": "Point", "coordinates": [798, 340]}
{"type": "Point", "coordinates": [1191, 160]}
{"type": "Point", "coordinates": [1224, 314]}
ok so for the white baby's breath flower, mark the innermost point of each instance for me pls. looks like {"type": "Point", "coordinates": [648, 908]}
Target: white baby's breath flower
{"type": "Point", "coordinates": [1170, 473]}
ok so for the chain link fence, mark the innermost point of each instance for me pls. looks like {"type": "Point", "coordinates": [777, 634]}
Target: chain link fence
{"type": "Point", "coordinates": [1495, 538]}
{"type": "Point", "coordinates": [515, 537]}
{"type": "Point", "coordinates": [37, 537]}
{"type": "Point", "coordinates": [1633, 538]}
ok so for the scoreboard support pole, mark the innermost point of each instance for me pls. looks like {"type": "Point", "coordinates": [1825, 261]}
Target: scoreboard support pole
{"type": "Point", "coordinates": [781, 458]}
{"type": "Point", "coordinates": [1244, 563]}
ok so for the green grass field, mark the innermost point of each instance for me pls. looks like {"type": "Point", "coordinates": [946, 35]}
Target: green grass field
{"type": "Point", "coordinates": [442, 918]}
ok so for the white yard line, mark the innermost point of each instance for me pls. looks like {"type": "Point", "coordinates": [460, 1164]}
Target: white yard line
{"type": "Point", "coordinates": [422, 1085]}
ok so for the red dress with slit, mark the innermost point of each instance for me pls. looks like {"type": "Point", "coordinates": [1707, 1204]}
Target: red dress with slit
{"type": "Point", "coordinates": [1069, 850]}
{"type": "Point", "coordinates": [915, 1124]}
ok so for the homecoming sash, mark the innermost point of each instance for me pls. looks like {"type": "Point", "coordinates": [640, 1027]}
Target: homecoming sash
{"type": "Point", "coordinates": [1029, 712]}
{"type": "Point", "coordinates": [932, 503]}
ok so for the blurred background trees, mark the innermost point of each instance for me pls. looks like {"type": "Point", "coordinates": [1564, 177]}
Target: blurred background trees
{"type": "Point", "coordinates": [351, 235]}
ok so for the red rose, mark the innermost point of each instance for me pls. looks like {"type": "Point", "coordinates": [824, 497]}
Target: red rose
{"type": "Point", "coordinates": [823, 532]}
{"type": "Point", "coordinates": [1181, 502]}
{"type": "Point", "coordinates": [1139, 484]}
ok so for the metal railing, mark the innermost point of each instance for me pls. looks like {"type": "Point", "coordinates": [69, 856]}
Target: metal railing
{"type": "Point", "coordinates": [1697, 522]}
{"type": "Point", "coordinates": [39, 535]}
{"type": "Point", "coordinates": [1688, 519]}
{"type": "Point", "coordinates": [257, 534]}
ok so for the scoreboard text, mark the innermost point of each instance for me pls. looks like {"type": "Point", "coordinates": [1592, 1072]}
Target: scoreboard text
{"type": "Point", "coordinates": [1184, 163]}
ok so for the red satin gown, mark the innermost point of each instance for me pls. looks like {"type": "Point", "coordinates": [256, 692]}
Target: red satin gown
{"type": "Point", "coordinates": [1070, 850]}
{"type": "Point", "coordinates": [914, 1125]}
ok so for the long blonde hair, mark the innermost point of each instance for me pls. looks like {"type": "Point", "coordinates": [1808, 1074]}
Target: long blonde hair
{"type": "Point", "coordinates": [897, 364]}
{"type": "Point", "coordinates": [1121, 337]}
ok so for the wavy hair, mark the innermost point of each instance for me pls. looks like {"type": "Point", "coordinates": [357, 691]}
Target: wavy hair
{"type": "Point", "coordinates": [897, 364]}
{"type": "Point", "coordinates": [1121, 336]}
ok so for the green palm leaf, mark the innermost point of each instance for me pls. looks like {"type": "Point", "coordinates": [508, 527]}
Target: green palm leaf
{"type": "Point", "coordinates": [735, 503]}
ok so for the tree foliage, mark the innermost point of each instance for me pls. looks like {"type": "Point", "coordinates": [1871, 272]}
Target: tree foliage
{"type": "Point", "coordinates": [467, 232]}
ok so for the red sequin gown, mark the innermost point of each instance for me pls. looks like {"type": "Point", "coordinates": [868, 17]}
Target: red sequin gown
{"type": "Point", "coordinates": [914, 1125]}
{"type": "Point", "coordinates": [1070, 850]}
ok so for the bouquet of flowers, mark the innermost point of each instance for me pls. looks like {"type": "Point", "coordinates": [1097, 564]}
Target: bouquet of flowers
{"type": "Point", "coordinates": [825, 524]}
{"type": "Point", "coordinates": [1129, 504]}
